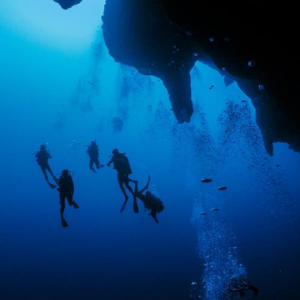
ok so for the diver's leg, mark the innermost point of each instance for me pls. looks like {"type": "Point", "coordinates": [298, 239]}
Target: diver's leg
{"type": "Point", "coordinates": [53, 186]}
{"type": "Point", "coordinates": [70, 199]}
{"type": "Point", "coordinates": [132, 180]}
{"type": "Point", "coordinates": [62, 209]}
{"type": "Point", "coordinates": [121, 184]}
{"type": "Point", "coordinates": [92, 165]}
{"type": "Point", "coordinates": [45, 173]}
{"type": "Point", "coordinates": [97, 163]}
{"type": "Point", "coordinates": [62, 205]}
{"type": "Point", "coordinates": [72, 202]}
{"type": "Point", "coordinates": [126, 182]}
{"type": "Point", "coordinates": [51, 173]}
{"type": "Point", "coordinates": [136, 188]}
{"type": "Point", "coordinates": [135, 205]}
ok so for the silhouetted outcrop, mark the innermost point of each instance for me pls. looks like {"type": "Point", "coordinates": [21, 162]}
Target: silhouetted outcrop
{"type": "Point", "coordinates": [65, 4]}
{"type": "Point", "coordinates": [138, 34]}
{"type": "Point", "coordinates": [251, 41]}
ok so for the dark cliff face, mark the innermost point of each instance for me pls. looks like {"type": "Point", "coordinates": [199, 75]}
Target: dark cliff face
{"type": "Point", "coordinates": [139, 34]}
{"type": "Point", "coordinates": [165, 38]}
{"type": "Point", "coordinates": [252, 31]}
{"type": "Point", "coordinates": [66, 4]}
{"type": "Point", "coordinates": [143, 33]}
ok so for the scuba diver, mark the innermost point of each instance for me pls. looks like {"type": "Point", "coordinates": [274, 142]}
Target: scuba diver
{"type": "Point", "coordinates": [241, 284]}
{"type": "Point", "coordinates": [151, 202]}
{"type": "Point", "coordinates": [93, 152]}
{"type": "Point", "coordinates": [66, 190]}
{"type": "Point", "coordinates": [121, 164]}
{"type": "Point", "coordinates": [42, 158]}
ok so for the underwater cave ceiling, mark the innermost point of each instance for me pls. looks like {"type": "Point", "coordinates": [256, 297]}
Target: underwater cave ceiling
{"type": "Point", "coordinates": [66, 4]}
{"type": "Point", "coordinates": [165, 38]}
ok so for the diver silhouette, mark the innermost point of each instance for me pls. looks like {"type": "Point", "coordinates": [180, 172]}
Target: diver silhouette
{"type": "Point", "coordinates": [241, 284]}
{"type": "Point", "coordinates": [66, 190]}
{"type": "Point", "coordinates": [121, 164]}
{"type": "Point", "coordinates": [151, 202]}
{"type": "Point", "coordinates": [42, 158]}
{"type": "Point", "coordinates": [93, 152]}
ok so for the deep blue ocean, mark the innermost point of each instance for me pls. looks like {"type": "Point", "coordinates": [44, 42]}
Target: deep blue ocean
{"type": "Point", "coordinates": [60, 86]}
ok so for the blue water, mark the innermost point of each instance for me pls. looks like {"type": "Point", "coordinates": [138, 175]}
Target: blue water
{"type": "Point", "coordinates": [64, 89]}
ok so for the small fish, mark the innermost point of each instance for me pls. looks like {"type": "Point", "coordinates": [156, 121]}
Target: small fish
{"type": "Point", "coordinates": [211, 87]}
{"type": "Point", "coordinates": [244, 101]}
{"type": "Point", "coordinates": [252, 63]}
{"type": "Point", "coordinates": [214, 209]}
{"type": "Point", "coordinates": [203, 214]}
{"type": "Point", "coordinates": [222, 188]}
{"type": "Point", "coordinates": [206, 180]}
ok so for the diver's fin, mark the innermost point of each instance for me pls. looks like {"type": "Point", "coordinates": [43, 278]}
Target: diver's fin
{"type": "Point", "coordinates": [75, 205]}
{"type": "Point", "coordinates": [146, 186]}
{"type": "Point", "coordinates": [64, 223]}
{"type": "Point", "coordinates": [93, 169]}
{"type": "Point", "coordinates": [148, 182]}
{"type": "Point", "coordinates": [135, 206]}
{"type": "Point", "coordinates": [123, 206]}
{"type": "Point", "coordinates": [153, 215]}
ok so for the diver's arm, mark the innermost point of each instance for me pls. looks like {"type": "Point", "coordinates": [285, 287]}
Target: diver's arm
{"type": "Point", "coordinates": [110, 162]}
{"type": "Point", "coordinates": [59, 182]}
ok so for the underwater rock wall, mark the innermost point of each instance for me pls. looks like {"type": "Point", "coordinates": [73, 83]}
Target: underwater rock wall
{"type": "Point", "coordinates": [246, 41]}
{"type": "Point", "coordinates": [66, 4]}
{"type": "Point", "coordinates": [139, 34]}
{"type": "Point", "coordinates": [255, 41]}
{"type": "Point", "coordinates": [251, 42]}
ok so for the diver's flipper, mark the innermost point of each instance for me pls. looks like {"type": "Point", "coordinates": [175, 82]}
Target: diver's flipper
{"type": "Point", "coordinates": [75, 205]}
{"type": "Point", "coordinates": [93, 169]}
{"type": "Point", "coordinates": [135, 206]}
{"type": "Point", "coordinates": [64, 223]}
{"type": "Point", "coordinates": [149, 179]}
{"type": "Point", "coordinates": [123, 206]}
{"type": "Point", "coordinates": [153, 215]}
{"type": "Point", "coordinates": [146, 186]}
{"type": "Point", "coordinates": [53, 186]}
